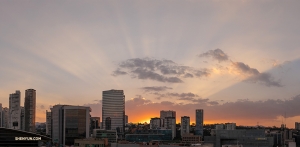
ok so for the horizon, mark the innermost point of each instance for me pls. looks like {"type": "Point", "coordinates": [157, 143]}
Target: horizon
{"type": "Point", "coordinates": [239, 61]}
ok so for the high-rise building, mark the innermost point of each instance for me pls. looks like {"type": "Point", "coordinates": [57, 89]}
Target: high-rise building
{"type": "Point", "coordinates": [5, 117]}
{"type": "Point", "coordinates": [185, 125]}
{"type": "Point", "coordinates": [15, 110]}
{"type": "Point", "coordinates": [69, 123]}
{"type": "Point", "coordinates": [126, 119]}
{"type": "Point", "coordinates": [156, 123]}
{"type": "Point", "coordinates": [113, 110]}
{"type": "Point", "coordinates": [199, 122]}
{"type": "Point", "coordinates": [167, 113]}
{"type": "Point", "coordinates": [1, 115]}
{"type": "Point", "coordinates": [48, 123]}
{"type": "Point", "coordinates": [95, 124]}
{"type": "Point", "coordinates": [30, 109]}
{"type": "Point", "coordinates": [297, 125]}
{"type": "Point", "coordinates": [22, 119]}
{"type": "Point", "coordinates": [170, 123]}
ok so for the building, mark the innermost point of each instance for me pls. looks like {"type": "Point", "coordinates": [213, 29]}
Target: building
{"type": "Point", "coordinates": [48, 123]}
{"type": "Point", "coordinates": [126, 119]}
{"type": "Point", "coordinates": [22, 118]}
{"type": "Point", "coordinates": [230, 126]}
{"type": "Point", "coordinates": [297, 125]}
{"type": "Point", "coordinates": [191, 138]}
{"type": "Point", "coordinates": [219, 127]}
{"type": "Point", "coordinates": [199, 122]}
{"type": "Point", "coordinates": [1, 115]}
{"type": "Point", "coordinates": [69, 123]}
{"type": "Point", "coordinates": [185, 125]}
{"type": "Point", "coordinates": [15, 110]}
{"type": "Point", "coordinates": [91, 142]}
{"type": "Point", "coordinates": [156, 123]}
{"type": "Point", "coordinates": [5, 117]}
{"type": "Point", "coordinates": [247, 138]}
{"type": "Point", "coordinates": [113, 111]}
{"type": "Point", "coordinates": [110, 135]}
{"type": "Point", "coordinates": [149, 135]}
{"type": "Point", "coordinates": [167, 113]}
{"type": "Point", "coordinates": [30, 109]}
{"type": "Point", "coordinates": [170, 123]}
{"type": "Point", "coordinates": [95, 124]}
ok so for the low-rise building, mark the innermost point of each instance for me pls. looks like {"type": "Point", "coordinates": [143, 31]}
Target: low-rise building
{"type": "Point", "coordinates": [111, 135]}
{"type": "Point", "coordinates": [94, 142]}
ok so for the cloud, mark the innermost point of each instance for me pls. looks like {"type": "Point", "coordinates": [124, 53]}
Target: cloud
{"type": "Point", "coordinates": [119, 72]}
{"type": "Point", "coordinates": [216, 54]}
{"type": "Point", "coordinates": [141, 73]}
{"type": "Point", "coordinates": [42, 107]}
{"type": "Point", "coordinates": [156, 88]}
{"type": "Point", "coordinates": [158, 70]}
{"type": "Point", "coordinates": [189, 94]}
{"type": "Point", "coordinates": [254, 75]}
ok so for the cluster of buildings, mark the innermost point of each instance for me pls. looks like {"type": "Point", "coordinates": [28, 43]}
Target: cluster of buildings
{"type": "Point", "coordinates": [19, 117]}
{"type": "Point", "coordinates": [70, 125]}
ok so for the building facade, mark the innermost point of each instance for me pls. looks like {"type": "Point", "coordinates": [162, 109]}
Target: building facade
{"type": "Point", "coordinates": [15, 110]}
{"type": "Point", "coordinates": [1, 123]}
{"type": "Point", "coordinates": [48, 122]}
{"type": "Point", "coordinates": [230, 126]}
{"type": "Point", "coordinates": [156, 123]}
{"type": "Point", "coordinates": [170, 123]}
{"type": "Point", "coordinates": [297, 125]}
{"type": "Point", "coordinates": [69, 123]}
{"type": "Point", "coordinates": [185, 125]}
{"type": "Point", "coordinates": [167, 113]}
{"type": "Point", "coordinates": [113, 110]}
{"type": "Point", "coordinates": [199, 122]}
{"type": "Point", "coordinates": [126, 119]}
{"type": "Point", "coordinates": [30, 109]}
{"type": "Point", "coordinates": [5, 117]}
{"type": "Point", "coordinates": [22, 118]}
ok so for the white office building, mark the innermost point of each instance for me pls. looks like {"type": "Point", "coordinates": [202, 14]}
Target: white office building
{"type": "Point", "coordinates": [185, 125]}
{"type": "Point", "coordinates": [15, 110]}
{"type": "Point", "coordinates": [113, 110]}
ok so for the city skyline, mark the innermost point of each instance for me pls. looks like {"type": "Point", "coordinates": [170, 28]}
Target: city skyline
{"type": "Point", "coordinates": [236, 60]}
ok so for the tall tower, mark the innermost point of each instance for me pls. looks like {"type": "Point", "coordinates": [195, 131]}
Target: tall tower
{"type": "Point", "coordinates": [185, 125]}
{"type": "Point", "coordinates": [113, 110]}
{"type": "Point", "coordinates": [199, 122]}
{"type": "Point", "coordinates": [167, 113]}
{"type": "Point", "coordinates": [15, 110]}
{"type": "Point", "coordinates": [30, 108]}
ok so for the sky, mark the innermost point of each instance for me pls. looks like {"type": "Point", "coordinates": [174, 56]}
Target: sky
{"type": "Point", "coordinates": [238, 60]}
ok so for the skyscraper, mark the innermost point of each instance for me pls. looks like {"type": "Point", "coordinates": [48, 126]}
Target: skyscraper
{"type": "Point", "coordinates": [199, 122]}
{"type": "Point", "coordinates": [167, 113]}
{"type": "Point", "coordinates": [22, 119]}
{"type": "Point", "coordinates": [113, 110]}
{"type": "Point", "coordinates": [5, 117]}
{"type": "Point", "coordinates": [30, 107]}
{"type": "Point", "coordinates": [69, 123]}
{"type": "Point", "coordinates": [15, 110]}
{"type": "Point", "coordinates": [48, 123]}
{"type": "Point", "coordinates": [1, 115]}
{"type": "Point", "coordinates": [185, 125]}
{"type": "Point", "coordinates": [170, 123]}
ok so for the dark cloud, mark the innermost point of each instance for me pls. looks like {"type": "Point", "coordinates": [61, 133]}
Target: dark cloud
{"type": "Point", "coordinates": [156, 88]}
{"type": "Point", "coordinates": [145, 74]}
{"type": "Point", "coordinates": [182, 95]}
{"type": "Point", "coordinates": [119, 72]}
{"type": "Point", "coordinates": [216, 54]}
{"type": "Point", "coordinates": [158, 70]}
{"type": "Point", "coordinates": [42, 107]}
{"type": "Point", "coordinates": [243, 68]}
{"type": "Point", "coordinates": [255, 76]}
